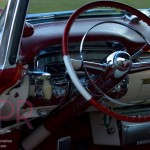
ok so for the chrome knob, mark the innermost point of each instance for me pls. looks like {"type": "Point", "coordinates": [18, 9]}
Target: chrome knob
{"type": "Point", "coordinates": [40, 75]}
{"type": "Point", "coordinates": [119, 63]}
{"type": "Point", "coordinates": [122, 61]}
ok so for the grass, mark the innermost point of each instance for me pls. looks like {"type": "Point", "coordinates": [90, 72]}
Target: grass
{"type": "Point", "coordinates": [57, 5]}
{"type": "Point", "coordinates": [37, 6]}
{"type": "Point", "coordinates": [137, 3]}
{"type": "Point", "coordinates": [2, 3]}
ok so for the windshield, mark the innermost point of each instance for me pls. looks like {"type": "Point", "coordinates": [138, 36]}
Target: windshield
{"type": "Point", "coordinates": [39, 6]}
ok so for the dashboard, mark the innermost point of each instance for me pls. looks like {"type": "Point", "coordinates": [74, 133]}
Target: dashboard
{"type": "Point", "coordinates": [100, 43]}
{"type": "Point", "coordinates": [50, 59]}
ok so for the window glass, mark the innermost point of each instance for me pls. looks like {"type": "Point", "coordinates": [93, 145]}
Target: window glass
{"type": "Point", "coordinates": [39, 6]}
{"type": "Point", "coordinates": [2, 19]}
{"type": "Point", "coordinates": [2, 5]}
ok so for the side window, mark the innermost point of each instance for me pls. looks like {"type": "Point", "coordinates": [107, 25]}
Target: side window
{"type": "Point", "coordinates": [2, 5]}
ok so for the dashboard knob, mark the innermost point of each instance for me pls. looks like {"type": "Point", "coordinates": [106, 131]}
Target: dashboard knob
{"type": "Point", "coordinates": [47, 89]}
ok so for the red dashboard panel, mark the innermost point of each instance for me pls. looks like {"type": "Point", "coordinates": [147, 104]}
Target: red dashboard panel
{"type": "Point", "coordinates": [9, 77]}
{"type": "Point", "coordinates": [47, 34]}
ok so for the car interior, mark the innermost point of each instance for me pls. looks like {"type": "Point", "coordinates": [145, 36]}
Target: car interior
{"type": "Point", "coordinates": [79, 80]}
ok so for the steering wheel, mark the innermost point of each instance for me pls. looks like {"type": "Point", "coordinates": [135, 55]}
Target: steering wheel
{"type": "Point", "coordinates": [121, 60]}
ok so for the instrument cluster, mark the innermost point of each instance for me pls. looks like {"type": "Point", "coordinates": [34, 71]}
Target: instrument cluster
{"type": "Point", "coordinates": [50, 61]}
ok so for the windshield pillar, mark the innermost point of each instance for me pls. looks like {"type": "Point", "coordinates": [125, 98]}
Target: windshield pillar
{"type": "Point", "coordinates": [12, 31]}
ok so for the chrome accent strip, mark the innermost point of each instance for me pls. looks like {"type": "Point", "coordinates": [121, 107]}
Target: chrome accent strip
{"type": "Point", "coordinates": [9, 28]}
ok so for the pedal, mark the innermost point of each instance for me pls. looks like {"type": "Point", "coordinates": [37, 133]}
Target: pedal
{"type": "Point", "coordinates": [64, 143]}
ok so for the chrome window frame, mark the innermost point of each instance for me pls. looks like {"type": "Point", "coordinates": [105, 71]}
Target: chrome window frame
{"type": "Point", "coordinates": [12, 31]}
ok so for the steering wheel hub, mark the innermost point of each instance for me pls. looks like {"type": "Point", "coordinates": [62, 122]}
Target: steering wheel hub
{"type": "Point", "coordinates": [122, 61]}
